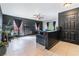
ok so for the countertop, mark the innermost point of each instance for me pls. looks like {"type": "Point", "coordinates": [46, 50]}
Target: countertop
{"type": "Point", "coordinates": [48, 31]}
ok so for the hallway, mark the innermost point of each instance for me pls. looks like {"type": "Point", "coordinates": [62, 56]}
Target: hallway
{"type": "Point", "coordinates": [27, 46]}
{"type": "Point", "coordinates": [22, 46]}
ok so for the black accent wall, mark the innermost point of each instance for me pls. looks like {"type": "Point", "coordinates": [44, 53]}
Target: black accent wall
{"type": "Point", "coordinates": [39, 25]}
{"type": "Point", "coordinates": [22, 26]}
{"type": "Point", "coordinates": [69, 23]}
{"type": "Point", "coordinates": [28, 26]}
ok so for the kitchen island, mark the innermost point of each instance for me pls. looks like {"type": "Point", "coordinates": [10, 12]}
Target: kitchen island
{"type": "Point", "coordinates": [47, 38]}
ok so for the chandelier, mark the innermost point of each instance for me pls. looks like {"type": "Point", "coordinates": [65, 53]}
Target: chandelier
{"type": "Point", "coordinates": [38, 16]}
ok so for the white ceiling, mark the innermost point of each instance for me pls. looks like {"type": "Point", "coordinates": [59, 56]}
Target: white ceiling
{"type": "Point", "coordinates": [27, 10]}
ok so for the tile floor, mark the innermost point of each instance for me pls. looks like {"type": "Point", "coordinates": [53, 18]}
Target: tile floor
{"type": "Point", "coordinates": [27, 46]}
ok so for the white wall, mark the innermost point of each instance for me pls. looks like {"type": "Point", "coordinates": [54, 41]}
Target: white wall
{"type": "Point", "coordinates": [0, 24]}
{"type": "Point", "coordinates": [27, 10]}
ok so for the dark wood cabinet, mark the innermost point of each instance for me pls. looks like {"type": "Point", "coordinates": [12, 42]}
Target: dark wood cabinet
{"type": "Point", "coordinates": [69, 23]}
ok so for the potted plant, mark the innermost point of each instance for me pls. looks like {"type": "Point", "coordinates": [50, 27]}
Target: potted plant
{"type": "Point", "coordinates": [3, 44]}
{"type": "Point", "coordinates": [2, 48]}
